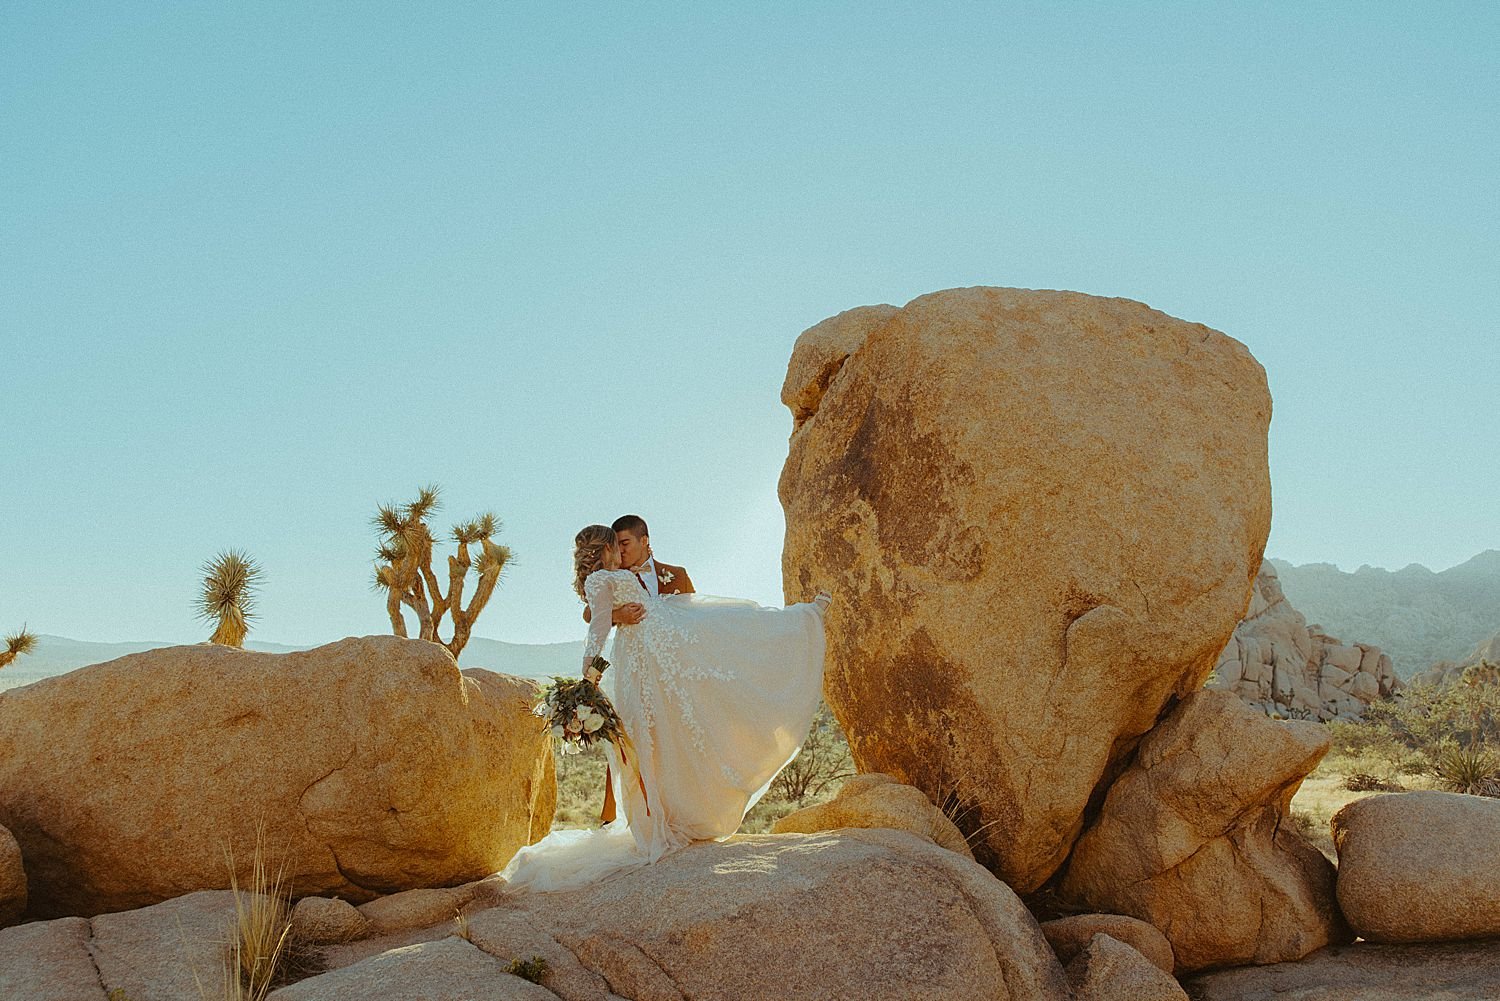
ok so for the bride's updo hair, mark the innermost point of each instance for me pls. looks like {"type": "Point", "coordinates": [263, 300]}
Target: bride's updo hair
{"type": "Point", "coordinates": [588, 553]}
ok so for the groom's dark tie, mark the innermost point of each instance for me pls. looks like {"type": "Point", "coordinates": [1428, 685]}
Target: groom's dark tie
{"type": "Point", "coordinates": [638, 578]}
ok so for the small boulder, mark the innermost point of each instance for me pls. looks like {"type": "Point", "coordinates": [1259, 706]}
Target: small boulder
{"type": "Point", "coordinates": [877, 800]}
{"type": "Point", "coordinates": [12, 880]}
{"type": "Point", "coordinates": [1419, 866]}
{"type": "Point", "coordinates": [1071, 935]}
{"type": "Point", "coordinates": [1194, 838]}
{"type": "Point", "coordinates": [419, 908]}
{"type": "Point", "coordinates": [1109, 970]}
{"type": "Point", "coordinates": [326, 921]}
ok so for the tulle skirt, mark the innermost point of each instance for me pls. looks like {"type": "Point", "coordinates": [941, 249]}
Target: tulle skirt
{"type": "Point", "coordinates": [716, 695]}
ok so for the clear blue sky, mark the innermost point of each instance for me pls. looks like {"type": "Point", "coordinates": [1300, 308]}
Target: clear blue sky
{"type": "Point", "coordinates": [264, 265]}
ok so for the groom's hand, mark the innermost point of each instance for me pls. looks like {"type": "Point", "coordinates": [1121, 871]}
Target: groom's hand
{"type": "Point", "coordinates": [628, 615]}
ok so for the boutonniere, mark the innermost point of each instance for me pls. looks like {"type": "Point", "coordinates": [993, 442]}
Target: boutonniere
{"type": "Point", "coordinates": [665, 576]}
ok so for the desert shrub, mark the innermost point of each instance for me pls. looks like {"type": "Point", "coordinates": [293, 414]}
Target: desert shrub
{"type": "Point", "coordinates": [1308, 824]}
{"type": "Point", "coordinates": [814, 776]}
{"type": "Point", "coordinates": [533, 969]}
{"type": "Point", "coordinates": [1365, 782]}
{"type": "Point", "coordinates": [822, 765]}
{"type": "Point", "coordinates": [580, 786]}
{"type": "Point", "coordinates": [1426, 718]}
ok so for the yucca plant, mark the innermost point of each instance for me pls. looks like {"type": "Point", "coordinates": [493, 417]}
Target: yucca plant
{"type": "Point", "coordinates": [17, 644]}
{"type": "Point", "coordinates": [404, 568]}
{"type": "Point", "coordinates": [230, 581]}
{"type": "Point", "coordinates": [1474, 769]}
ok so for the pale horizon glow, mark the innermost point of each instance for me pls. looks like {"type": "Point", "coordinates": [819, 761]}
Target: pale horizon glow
{"type": "Point", "coordinates": [265, 266]}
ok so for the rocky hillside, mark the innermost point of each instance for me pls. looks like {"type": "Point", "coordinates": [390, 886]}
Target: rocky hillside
{"type": "Point", "coordinates": [1446, 672]}
{"type": "Point", "coordinates": [1417, 616]}
{"type": "Point", "coordinates": [1278, 664]}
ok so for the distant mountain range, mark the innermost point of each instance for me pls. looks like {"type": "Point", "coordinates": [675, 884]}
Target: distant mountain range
{"type": "Point", "coordinates": [1417, 616]}
{"type": "Point", "coordinates": [57, 655]}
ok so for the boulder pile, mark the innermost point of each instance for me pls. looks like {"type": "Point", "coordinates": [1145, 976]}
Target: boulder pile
{"type": "Point", "coordinates": [1278, 663]}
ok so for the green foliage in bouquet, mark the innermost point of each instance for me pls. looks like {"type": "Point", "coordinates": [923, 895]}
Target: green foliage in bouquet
{"type": "Point", "coordinates": [578, 712]}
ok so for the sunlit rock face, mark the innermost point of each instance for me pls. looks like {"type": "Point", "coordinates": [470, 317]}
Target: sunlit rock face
{"type": "Point", "coordinates": [1041, 514]}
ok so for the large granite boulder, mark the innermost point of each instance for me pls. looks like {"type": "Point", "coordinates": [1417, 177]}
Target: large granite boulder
{"type": "Point", "coordinates": [866, 913]}
{"type": "Point", "coordinates": [1281, 665]}
{"type": "Point", "coordinates": [12, 879]}
{"type": "Point", "coordinates": [1195, 839]}
{"type": "Point", "coordinates": [877, 800]}
{"type": "Point", "coordinates": [373, 764]}
{"type": "Point", "coordinates": [1419, 866]}
{"type": "Point", "coordinates": [1042, 513]}
{"type": "Point", "coordinates": [853, 914]}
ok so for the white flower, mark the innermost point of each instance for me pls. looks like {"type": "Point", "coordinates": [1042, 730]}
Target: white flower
{"type": "Point", "coordinates": [540, 709]}
{"type": "Point", "coordinates": [581, 712]}
{"type": "Point", "coordinates": [666, 576]}
{"type": "Point", "coordinates": [558, 732]}
{"type": "Point", "coordinates": [574, 726]}
{"type": "Point", "coordinates": [593, 723]}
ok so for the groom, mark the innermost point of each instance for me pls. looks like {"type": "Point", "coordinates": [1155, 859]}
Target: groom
{"type": "Point", "coordinates": [657, 578]}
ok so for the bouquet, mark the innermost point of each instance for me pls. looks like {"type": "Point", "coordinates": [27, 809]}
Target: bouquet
{"type": "Point", "coordinates": [578, 713]}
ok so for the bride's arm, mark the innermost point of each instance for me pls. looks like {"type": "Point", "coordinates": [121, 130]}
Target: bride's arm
{"type": "Point", "coordinates": [599, 591]}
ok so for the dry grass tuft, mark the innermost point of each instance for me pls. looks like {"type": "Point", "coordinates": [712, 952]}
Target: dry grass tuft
{"type": "Point", "coordinates": [262, 954]}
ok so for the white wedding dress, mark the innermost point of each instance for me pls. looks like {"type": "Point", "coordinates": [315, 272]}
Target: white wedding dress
{"type": "Point", "coordinates": [716, 695]}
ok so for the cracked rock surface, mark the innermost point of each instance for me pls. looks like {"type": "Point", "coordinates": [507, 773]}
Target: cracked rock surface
{"type": "Point", "coordinates": [1041, 514]}
{"type": "Point", "coordinates": [857, 913]}
{"type": "Point", "coordinates": [374, 763]}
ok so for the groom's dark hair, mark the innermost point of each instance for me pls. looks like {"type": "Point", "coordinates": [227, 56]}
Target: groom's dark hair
{"type": "Point", "coordinates": [632, 523]}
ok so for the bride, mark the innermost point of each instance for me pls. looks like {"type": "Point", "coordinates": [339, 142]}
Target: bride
{"type": "Point", "coordinates": [716, 694]}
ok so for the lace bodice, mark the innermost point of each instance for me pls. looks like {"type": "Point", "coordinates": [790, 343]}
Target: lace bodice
{"type": "Point", "coordinates": [606, 590]}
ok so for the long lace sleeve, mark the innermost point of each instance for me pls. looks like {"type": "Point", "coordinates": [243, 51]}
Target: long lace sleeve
{"type": "Point", "coordinates": [599, 591]}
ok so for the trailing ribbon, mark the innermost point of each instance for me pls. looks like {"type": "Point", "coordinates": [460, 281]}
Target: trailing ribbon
{"type": "Point", "coordinates": [628, 757]}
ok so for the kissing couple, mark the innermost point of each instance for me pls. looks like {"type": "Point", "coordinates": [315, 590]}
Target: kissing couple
{"type": "Point", "coordinates": [716, 695]}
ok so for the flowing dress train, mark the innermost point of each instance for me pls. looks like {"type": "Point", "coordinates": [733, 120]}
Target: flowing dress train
{"type": "Point", "coordinates": [716, 694]}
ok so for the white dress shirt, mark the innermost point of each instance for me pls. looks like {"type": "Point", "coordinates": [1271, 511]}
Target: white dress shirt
{"type": "Point", "coordinates": [647, 573]}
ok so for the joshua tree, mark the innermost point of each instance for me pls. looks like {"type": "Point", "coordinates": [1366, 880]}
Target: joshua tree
{"type": "Point", "coordinates": [16, 645]}
{"type": "Point", "coordinates": [229, 583]}
{"type": "Point", "coordinates": [404, 568]}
